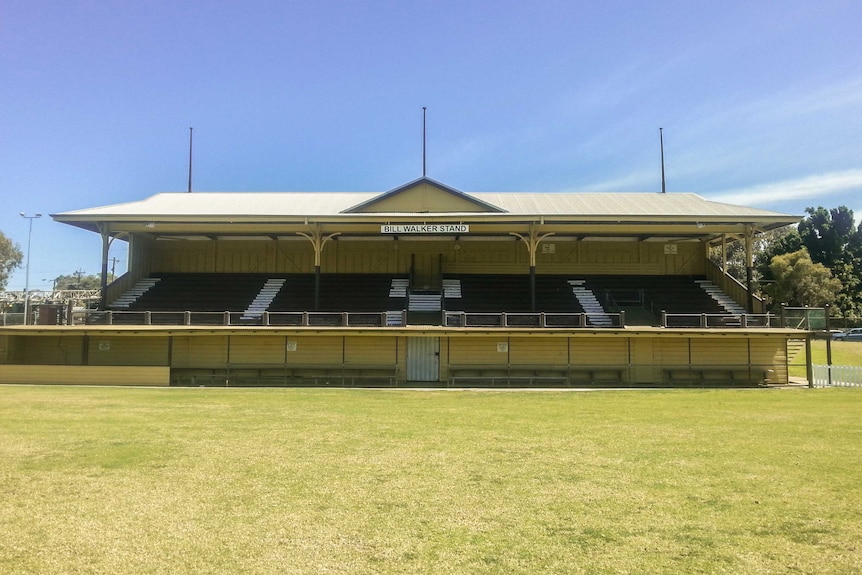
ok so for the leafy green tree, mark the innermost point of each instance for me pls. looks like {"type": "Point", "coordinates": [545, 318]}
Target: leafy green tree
{"type": "Point", "coordinates": [798, 281]}
{"type": "Point", "coordinates": [832, 240]}
{"type": "Point", "coordinates": [766, 246]}
{"type": "Point", "coordinates": [77, 280]}
{"type": "Point", "coordinates": [11, 257]}
{"type": "Point", "coordinates": [782, 241]}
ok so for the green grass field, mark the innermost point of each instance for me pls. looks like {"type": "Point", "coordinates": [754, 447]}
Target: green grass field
{"type": "Point", "coordinates": [190, 481]}
{"type": "Point", "coordinates": [843, 353]}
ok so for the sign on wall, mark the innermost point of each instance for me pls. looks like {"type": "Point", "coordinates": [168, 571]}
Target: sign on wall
{"type": "Point", "coordinates": [425, 229]}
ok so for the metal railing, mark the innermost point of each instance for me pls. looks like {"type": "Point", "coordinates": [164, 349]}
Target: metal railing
{"type": "Point", "coordinates": [718, 320]}
{"type": "Point", "coordinates": [227, 318]}
{"type": "Point", "coordinates": [615, 320]}
{"type": "Point", "coordinates": [542, 319]}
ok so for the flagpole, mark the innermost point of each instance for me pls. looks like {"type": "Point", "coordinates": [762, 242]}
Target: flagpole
{"type": "Point", "coordinates": [661, 141]}
{"type": "Point", "coordinates": [190, 159]}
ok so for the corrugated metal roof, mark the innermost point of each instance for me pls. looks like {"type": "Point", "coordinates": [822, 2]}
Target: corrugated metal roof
{"type": "Point", "coordinates": [296, 204]}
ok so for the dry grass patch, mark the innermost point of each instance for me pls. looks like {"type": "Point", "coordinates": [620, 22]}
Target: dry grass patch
{"type": "Point", "coordinates": [357, 481]}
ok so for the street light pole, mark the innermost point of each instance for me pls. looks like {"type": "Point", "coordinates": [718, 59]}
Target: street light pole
{"type": "Point", "coordinates": [27, 272]}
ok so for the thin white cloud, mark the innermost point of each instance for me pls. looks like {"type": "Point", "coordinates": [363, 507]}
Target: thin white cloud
{"type": "Point", "coordinates": [809, 187]}
{"type": "Point", "coordinates": [634, 181]}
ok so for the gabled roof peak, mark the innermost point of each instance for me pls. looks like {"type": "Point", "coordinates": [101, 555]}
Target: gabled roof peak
{"type": "Point", "coordinates": [424, 195]}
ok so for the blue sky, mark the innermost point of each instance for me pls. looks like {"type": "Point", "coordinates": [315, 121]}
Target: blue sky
{"type": "Point", "coordinates": [760, 102]}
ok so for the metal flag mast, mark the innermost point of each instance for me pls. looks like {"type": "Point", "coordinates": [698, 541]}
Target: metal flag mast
{"type": "Point", "coordinates": [190, 159]}
{"type": "Point", "coordinates": [661, 142]}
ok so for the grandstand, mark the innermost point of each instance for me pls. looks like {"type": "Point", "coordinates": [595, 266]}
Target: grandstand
{"type": "Point", "coordinates": [421, 285]}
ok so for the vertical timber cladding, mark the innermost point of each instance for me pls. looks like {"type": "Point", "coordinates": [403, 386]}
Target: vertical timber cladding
{"type": "Point", "coordinates": [600, 359]}
{"type": "Point", "coordinates": [544, 351]}
{"type": "Point", "coordinates": [257, 350]}
{"type": "Point", "coordinates": [127, 350]}
{"type": "Point", "coordinates": [50, 350]}
{"type": "Point", "coordinates": [367, 351]}
{"type": "Point", "coordinates": [484, 351]}
{"type": "Point", "coordinates": [765, 358]}
{"type": "Point", "coordinates": [199, 352]}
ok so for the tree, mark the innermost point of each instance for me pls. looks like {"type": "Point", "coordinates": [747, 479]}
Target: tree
{"type": "Point", "coordinates": [827, 233]}
{"type": "Point", "coordinates": [832, 241]}
{"type": "Point", "coordinates": [767, 245]}
{"type": "Point", "coordinates": [11, 257]}
{"type": "Point", "coordinates": [784, 240]}
{"type": "Point", "coordinates": [77, 280]}
{"type": "Point", "coordinates": [798, 281]}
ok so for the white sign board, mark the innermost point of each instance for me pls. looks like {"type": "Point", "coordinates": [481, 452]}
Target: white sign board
{"type": "Point", "coordinates": [424, 229]}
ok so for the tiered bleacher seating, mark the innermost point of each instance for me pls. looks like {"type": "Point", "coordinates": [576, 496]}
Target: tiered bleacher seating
{"type": "Point", "coordinates": [511, 293]}
{"type": "Point", "coordinates": [338, 293]}
{"type": "Point", "coordinates": [200, 292]}
{"type": "Point", "coordinates": [355, 292]}
{"type": "Point", "coordinates": [380, 293]}
{"type": "Point", "coordinates": [297, 294]}
{"type": "Point", "coordinates": [672, 294]}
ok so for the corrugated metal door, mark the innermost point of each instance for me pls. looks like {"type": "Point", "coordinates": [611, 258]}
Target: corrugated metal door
{"type": "Point", "coordinates": [423, 358]}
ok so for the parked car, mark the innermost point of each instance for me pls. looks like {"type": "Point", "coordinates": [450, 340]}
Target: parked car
{"type": "Point", "coordinates": [854, 334]}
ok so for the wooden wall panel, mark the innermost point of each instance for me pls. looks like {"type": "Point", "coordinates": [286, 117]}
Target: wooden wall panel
{"type": "Point", "coordinates": [370, 350]}
{"type": "Point", "coordinates": [478, 350]}
{"type": "Point", "coordinates": [719, 351]}
{"type": "Point", "coordinates": [368, 258]}
{"type": "Point", "coordinates": [770, 351]}
{"type": "Point", "coordinates": [599, 351]}
{"type": "Point", "coordinates": [209, 352]}
{"type": "Point", "coordinates": [309, 350]}
{"type": "Point", "coordinates": [53, 350]}
{"type": "Point", "coordinates": [538, 351]}
{"type": "Point", "coordinates": [186, 257]}
{"type": "Point", "coordinates": [499, 256]}
{"type": "Point", "coordinates": [116, 350]}
{"type": "Point", "coordinates": [294, 256]}
{"type": "Point", "coordinates": [85, 375]}
{"type": "Point", "coordinates": [257, 350]}
{"type": "Point", "coordinates": [671, 351]}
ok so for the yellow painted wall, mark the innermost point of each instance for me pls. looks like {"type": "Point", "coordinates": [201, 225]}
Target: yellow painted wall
{"type": "Point", "coordinates": [311, 350]}
{"type": "Point", "coordinates": [505, 256]}
{"type": "Point", "coordinates": [366, 257]}
{"type": "Point", "coordinates": [719, 351]}
{"type": "Point", "coordinates": [476, 350]}
{"type": "Point", "coordinates": [52, 350]}
{"type": "Point", "coordinates": [85, 375]}
{"type": "Point", "coordinates": [770, 351]}
{"type": "Point", "coordinates": [538, 351]}
{"type": "Point", "coordinates": [599, 351]}
{"type": "Point", "coordinates": [257, 350]}
{"type": "Point", "coordinates": [209, 351]}
{"type": "Point", "coordinates": [423, 198]}
{"type": "Point", "coordinates": [670, 351]}
{"type": "Point", "coordinates": [370, 350]}
{"type": "Point", "coordinates": [649, 354]}
{"type": "Point", "coordinates": [124, 350]}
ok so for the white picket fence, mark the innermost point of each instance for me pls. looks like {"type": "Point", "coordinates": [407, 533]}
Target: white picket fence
{"type": "Point", "coordinates": [842, 375]}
